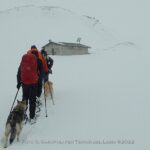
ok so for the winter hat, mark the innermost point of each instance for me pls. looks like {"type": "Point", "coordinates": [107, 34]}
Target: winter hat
{"type": "Point", "coordinates": [33, 47]}
{"type": "Point", "coordinates": [43, 52]}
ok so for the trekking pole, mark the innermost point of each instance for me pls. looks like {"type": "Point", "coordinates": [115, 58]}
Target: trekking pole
{"type": "Point", "coordinates": [14, 100]}
{"type": "Point", "coordinates": [53, 100]}
{"type": "Point", "coordinates": [45, 104]}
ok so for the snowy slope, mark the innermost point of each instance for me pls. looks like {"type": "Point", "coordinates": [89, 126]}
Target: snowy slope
{"type": "Point", "coordinates": [47, 22]}
{"type": "Point", "coordinates": [102, 97]}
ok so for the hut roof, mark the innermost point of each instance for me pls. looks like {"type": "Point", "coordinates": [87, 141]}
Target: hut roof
{"type": "Point", "coordinates": [67, 44]}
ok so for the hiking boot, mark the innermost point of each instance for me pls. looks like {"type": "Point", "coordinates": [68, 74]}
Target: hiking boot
{"type": "Point", "coordinates": [38, 102]}
{"type": "Point", "coordinates": [37, 114]}
{"type": "Point", "coordinates": [32, 121]}
{"type": "Point", "coordinates": [38, 109]}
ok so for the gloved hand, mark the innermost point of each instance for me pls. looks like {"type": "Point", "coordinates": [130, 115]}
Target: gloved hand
{"type": "Point", "coordinates": [50, 71]}
{"type": "Point", "coordinates": [18, 85]}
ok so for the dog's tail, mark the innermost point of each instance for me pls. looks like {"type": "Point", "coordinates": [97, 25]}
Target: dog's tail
{"type": "Point", "coordinates": [12, 135]}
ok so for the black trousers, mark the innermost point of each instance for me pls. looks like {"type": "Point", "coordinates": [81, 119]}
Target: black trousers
{"type": "Point", "coordinates": [29, 94]}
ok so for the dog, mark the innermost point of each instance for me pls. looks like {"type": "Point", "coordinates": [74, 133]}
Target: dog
{"type": "Point", "coordinates": [48, 88]}
{"type": "Point", "coordinates": [14, 123]}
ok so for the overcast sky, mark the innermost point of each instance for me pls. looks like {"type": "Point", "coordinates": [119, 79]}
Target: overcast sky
{"type": "Point", "coordinates": [128, 17]}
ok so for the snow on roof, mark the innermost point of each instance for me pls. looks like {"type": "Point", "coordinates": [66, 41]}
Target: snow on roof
{"type": "Point", "coordinates": [67, 44]}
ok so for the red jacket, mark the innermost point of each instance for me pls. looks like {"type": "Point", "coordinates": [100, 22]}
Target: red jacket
{"type": "Point", "coordinates": [28, 69]}
{"type": "Point", "coordinates": [41, 58]}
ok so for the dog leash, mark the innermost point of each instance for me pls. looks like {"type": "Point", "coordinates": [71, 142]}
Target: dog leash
{"type": "Point", "coordinates": [14, 100]}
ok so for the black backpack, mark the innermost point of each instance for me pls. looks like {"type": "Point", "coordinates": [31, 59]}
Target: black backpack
{"type": "Point", "coordinates": [50, 62]}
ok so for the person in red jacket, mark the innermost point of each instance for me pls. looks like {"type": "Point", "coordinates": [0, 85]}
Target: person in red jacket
{"type": "Point", "coordinates": [28, 77]}
{"type": "Point", "coordinates": [45, 70]}
{"type": "Point", "coordinates": [34, 48]}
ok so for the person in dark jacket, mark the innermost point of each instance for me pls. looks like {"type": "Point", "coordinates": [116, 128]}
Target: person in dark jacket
{"type": "Point", "coordinates": [40, 72]}
{"type": "Point", "coordinates": [49, 62]}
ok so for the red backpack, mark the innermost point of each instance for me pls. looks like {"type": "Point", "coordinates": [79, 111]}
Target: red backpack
{"type": "Point", "coordinates": [29, 70]}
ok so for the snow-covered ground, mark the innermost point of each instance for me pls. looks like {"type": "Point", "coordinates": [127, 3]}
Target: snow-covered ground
{"type": "Point", "coordinates": [101, 99]}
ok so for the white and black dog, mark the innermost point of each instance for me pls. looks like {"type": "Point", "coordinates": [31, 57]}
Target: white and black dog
{"type": "Point", "coordinates": [14, 123]}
